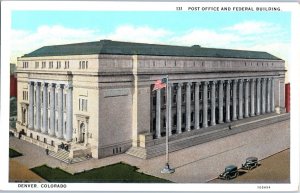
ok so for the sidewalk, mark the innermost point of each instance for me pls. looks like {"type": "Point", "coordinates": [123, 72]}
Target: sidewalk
{"type": "Point", "coordinates": [197, 164]}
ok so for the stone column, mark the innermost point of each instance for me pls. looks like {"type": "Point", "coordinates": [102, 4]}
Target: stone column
{"type": "Point", "coordinates": [60, 111]}
{"type": "Point", "coordinates": [228, 101]}
{"type": "Point", "coordinates": [157, 115]}
{"type": "Point", "coordinates": [179, 107]}
{"type": "Point", "coordinates": [234, 101]}
{"type": "Point", "coordinates": [263, 97]}
{"type": "Point", "coordinates": [205, 104]}
{"type": "Point", "coordinates": [269, 96]}
{"type": "Point", "coordinates": [31, 109]}
{"type": "Point", "coordinates": [38, 106]}
{"type": "Point", "coordinates": [221, 82]}
{"type": "Point", "coordinates": [188, 107]}
{"type": "Point", "coordinates": [252, 98]}
{"type": "Point", "coordinates": [69, 113]}
{"type": "Point", "coordinates": [241, 88]}
{"type": "Point", "coordinates": [272, 95]}
{"type": "Point", "coordinates": [197, 109]}
{"type": "Point", "coordinates": [170, 108]}
{"type": "Point", "coordinates": [52, 109]}
{"type": "Point", "coordinates": [45, 108]}
{"type": "Point", "coordinates": [213, 103]}
{"type": "Point", "coordinates": [258, 96]}
{"type": "Point", "coordinates": [246, 98]}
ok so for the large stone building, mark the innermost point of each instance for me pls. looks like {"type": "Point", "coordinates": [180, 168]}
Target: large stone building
{"type": "Point", "coordinates": [97, 96]}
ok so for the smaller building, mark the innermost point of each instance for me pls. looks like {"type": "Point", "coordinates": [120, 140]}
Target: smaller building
{"type": "Point", "coordinates": [287, 97]}
{"type": "Point", "coordinates": [13, 81]}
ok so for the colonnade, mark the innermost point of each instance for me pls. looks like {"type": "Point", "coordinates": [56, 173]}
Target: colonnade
{"type": "Point", "coordinates": [53, 102]}
{"type": "Point", "coordinates": [200, 104]}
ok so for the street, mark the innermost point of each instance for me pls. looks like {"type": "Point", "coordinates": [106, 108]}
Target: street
{"type": "Point", "coordinates": [273, 169]}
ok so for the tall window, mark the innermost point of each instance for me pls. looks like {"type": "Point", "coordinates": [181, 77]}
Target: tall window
{"type": "Point", "coordinates": [25, 95]}
{"type": "Point", "coordinates": [50, 64]}
{"type": "Point", "coordinates": [48, 98]}
{"type": "Point", "coordinates": [56, 101]}
{"type": "Point", "coordinates": [83, 104]}
{"type": "Point", "coordinates": [67, 65]}
{"type": "Point", "coordinates": [65, 101]}
{"type": "Point", "coordinates": [58, 64]}
{"type": "Point", "coordinates": [43, 64]}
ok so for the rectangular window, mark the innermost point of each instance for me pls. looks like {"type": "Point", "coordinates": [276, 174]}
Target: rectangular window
{"type": "Point", "coordinates": [83, 104]}
{"type": "Point", "coordinates": [86, 105]}
{"type": "Point", "coordinates": [65, 101]}
{"type": "Point", "coordinates": [25, 64]}
{"type": "Point", "coordinates": [66, 64]}
{"type": "Point", "coordinates": [83, 64]}
{"type": "Point", "coordinates": [56, 102]}
{"type": "Point", "coordinates": [48, 98]}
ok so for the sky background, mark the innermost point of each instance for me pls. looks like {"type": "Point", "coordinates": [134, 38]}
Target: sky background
{"type": "Point", "coordinates": [262, 31]}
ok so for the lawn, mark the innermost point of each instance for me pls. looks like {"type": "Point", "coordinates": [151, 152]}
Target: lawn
{"type": "Point", "coordinates": [119, 172]}
{"type": "Point", "coordinates": [14, 153]}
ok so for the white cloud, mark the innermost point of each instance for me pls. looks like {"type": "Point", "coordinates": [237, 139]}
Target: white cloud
{"type": "Point", "coordinates": [206, 38]}
{"type": "Point", "coordinates": [23, 42]}
{"type": "Point", "coordinates": [253, 27]}
{"type": "Point", "coordinates": [139, 34]}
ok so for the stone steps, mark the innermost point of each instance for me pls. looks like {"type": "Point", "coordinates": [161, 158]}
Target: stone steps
{"type": "Point", "coordinates": [137, 152]}
{"type": "Point", "coordinates": [199, 138]}
{"type": "Point", "coordinates": [63, 156]}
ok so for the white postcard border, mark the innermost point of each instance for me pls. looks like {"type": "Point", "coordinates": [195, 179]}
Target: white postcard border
{"type": "Point", "coordinates": [8, 7]}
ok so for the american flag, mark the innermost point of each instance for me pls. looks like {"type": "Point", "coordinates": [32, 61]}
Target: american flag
{"type": "Point", "coordinates": [159, 84]}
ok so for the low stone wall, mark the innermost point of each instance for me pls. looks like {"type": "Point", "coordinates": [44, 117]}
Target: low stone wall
{"type": "Point", "coordinates": [79, 152]}
{"type": "Point", "coordinates": [39, 143]}
{"type": "Point", "coordinates": [150, 148]}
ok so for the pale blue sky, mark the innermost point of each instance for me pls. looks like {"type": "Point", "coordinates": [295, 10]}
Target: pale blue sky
{"type": "Point", "coordinates": [265, 31]}
{"type": "Point", "coordinates": [107, 21]}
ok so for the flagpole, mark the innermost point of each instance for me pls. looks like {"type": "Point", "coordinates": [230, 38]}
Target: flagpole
{"type": "Point", "coordinates": [167, 168]}
{"type": "Point", "coordinates": [167, 122]}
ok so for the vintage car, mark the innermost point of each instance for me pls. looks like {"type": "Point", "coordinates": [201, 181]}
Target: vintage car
{"type": "Point", "coordinates": [230, 172]}
{"type": "Point", "coordinates": [251, 163]}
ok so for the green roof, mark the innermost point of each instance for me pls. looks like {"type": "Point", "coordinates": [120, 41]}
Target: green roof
{"type": "Point", "coordinates": [129, 48]}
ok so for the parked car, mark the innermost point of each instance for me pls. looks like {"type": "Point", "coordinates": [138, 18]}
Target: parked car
{"type": "Point", "coordinates": [251, 163]}
{"type": "Point", "coordinates": [230, 172]}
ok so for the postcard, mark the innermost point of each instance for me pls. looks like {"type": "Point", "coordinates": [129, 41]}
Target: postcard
{"type": "Point", "coordinates": [149, 96]}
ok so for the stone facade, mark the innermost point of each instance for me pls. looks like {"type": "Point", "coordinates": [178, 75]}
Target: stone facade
{"type": "Point", "coordinates": [104, 103]}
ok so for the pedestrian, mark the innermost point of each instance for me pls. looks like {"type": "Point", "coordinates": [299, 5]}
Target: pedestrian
{"type": "Point", "coordinates": [47, 151]}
